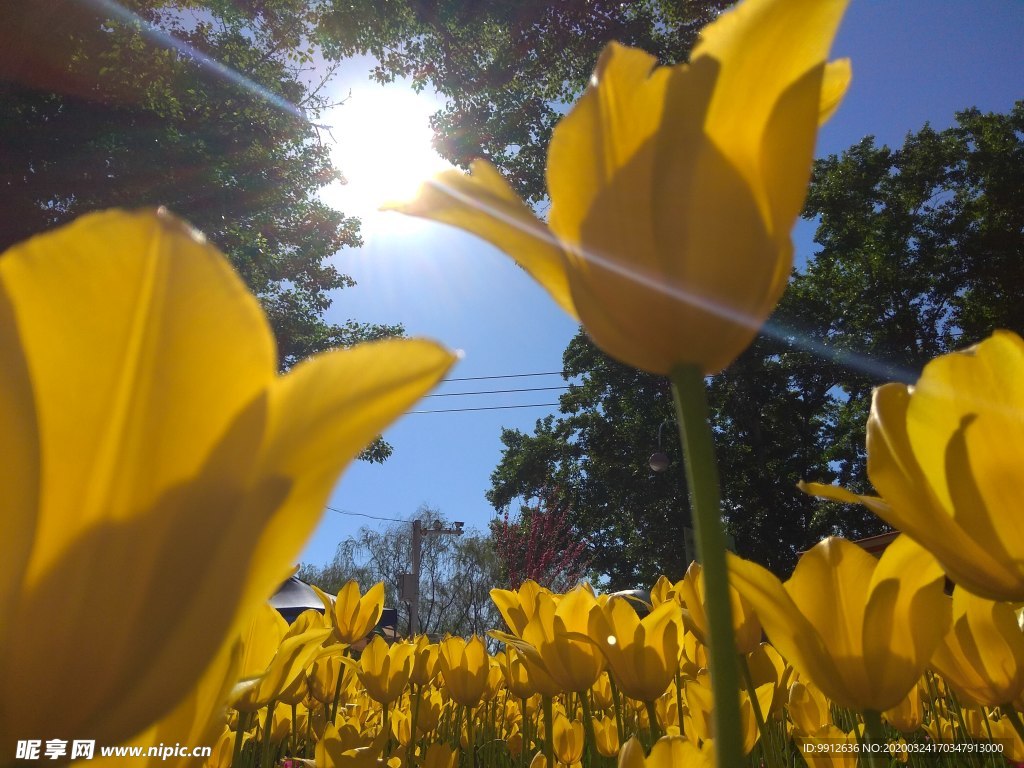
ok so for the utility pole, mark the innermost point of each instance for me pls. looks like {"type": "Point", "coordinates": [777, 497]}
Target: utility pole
{"type": "Point", "coordinates": [411, 581]}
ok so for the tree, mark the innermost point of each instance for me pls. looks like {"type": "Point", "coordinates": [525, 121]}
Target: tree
{"type": "Point", "coordinates": [456, 574]}
{"type": "Point", "coordinates": [95, 114]}
{"type": "Point", "coordinates": [921, 248]}
{"type": "Point", "coordinates": [540, 545]}
{"type": "Point", "coordinates": [507, 69]}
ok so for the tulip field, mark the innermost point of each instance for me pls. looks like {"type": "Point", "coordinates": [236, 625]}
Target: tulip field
{"type": "Point", "coordinates": [584, 680]}
{"type": "Point", "coordinates": [160, 478]}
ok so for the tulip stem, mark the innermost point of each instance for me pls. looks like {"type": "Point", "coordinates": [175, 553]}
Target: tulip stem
{"type": "Point", "coordinates": [702, 477]}
{"type": "Point", "coordinates": [1014, 717]}
{"type": "Point", "coordinates": [652, 717]}
{"type": "Point", "coordinates": [240, 728]}
{"type": "Point", "coordinates": [619, 730]}
{"type": "Point", "coordinates": [526, 732]}
{"type": "Point", "coordinates": [874, 735]}
{"type": "Point", "coordinates": [549, 732]}
{"type": "Point", "coordinates": [588, 726]}
{"type": "Point", "coordinates": [767, 747]}
{"type": "Point", "coordinates": [268, 727]}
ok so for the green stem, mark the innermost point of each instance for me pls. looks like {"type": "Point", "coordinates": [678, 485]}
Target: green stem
{"type": "Point", "coordinates": [1014, 717]}
{"type": "Point", "coordinates": [268, 726]}
{"type": "Point", "coordinates": [588, 727]}
{"type": "Point", "coordinates": [240, 728]}
{"type": "Point", "coordinates": [337, 695]}
{"type": "Point", "coordinates": [755, 705]}
{"type": "Point", "coordinates": [652, 717]}
{"type": "Point", "coordinates": [679, 702]}
{"type": "Point", "coordinates": [549, 732]}
{"type": "Point", "coordinates": [874, 735]}
{"type": "Point", "coordinates": [410, 750]}
{"type": "Point", "coordinates": [292, 730]}
{"type": "Point", "coordinates": [618, 711]}
{"type": "Point", "coordinates": [525, 718]}
{"type": "Point", "coordinates": [702, 477]}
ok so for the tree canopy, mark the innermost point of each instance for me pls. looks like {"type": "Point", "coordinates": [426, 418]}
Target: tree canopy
{"type": "Point", "coordinates": [920, 249]}
{"type": "Point", "coordinates": [101, 110]}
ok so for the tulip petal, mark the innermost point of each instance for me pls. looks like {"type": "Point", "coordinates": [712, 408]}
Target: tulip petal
{"type": "Point", "coordinates": [483, 203]}
{"type": "Point", "coordinates": [641, 200]}
{"type": "Point", "coordinates": [837, 78]}
{"type": "Point", "coordinates": [790, 632]}
{"type": "Point", "coordinates": [20, 469]}
{"type": "Point", "coordinates": [905, 619]}
{"type": "Point", "coordinates": [147, 385]}
{"type": "Point", "coordinates": [763, 48]}
{"type": "Point", "coordinates": [321, 416]}
{"type": "Point", "coordinates": [140, 373]}
{"type": "Point", "coordinates": [828, 585]}
{"type": "Point", "coordinates": [916, 507]}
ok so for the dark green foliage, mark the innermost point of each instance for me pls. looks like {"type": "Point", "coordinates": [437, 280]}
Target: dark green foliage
{"type": "Point", "coordinates": [94, 114]}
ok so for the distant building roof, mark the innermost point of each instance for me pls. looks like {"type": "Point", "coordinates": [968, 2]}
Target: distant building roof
{"type": "Point", "coordinates": [295, 596]}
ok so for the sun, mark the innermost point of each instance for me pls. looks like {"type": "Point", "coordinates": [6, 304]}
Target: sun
{"type": "Point", "coordinates": [382, 146]}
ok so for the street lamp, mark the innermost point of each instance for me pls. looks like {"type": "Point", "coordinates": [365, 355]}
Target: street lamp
{"type": "Point", "coordinates": [411, 581]}
{"type": "Point", "coordinates": [659, 459]}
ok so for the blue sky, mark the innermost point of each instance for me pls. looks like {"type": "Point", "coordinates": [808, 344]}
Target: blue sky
{"type": "Point", "coordinates": [914, 61]}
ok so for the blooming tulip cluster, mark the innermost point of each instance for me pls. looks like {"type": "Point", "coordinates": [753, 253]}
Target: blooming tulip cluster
{"type": "Point", "coordinates": [593, 680]}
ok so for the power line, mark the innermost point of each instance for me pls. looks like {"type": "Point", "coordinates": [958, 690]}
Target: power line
{"type": "Point", "coordinates": [508, 376]}
{"type": "Point", "coordinates": [496, 391]}
{"type": "Point", "coordinates": [486, 408]}
{"type": "Point", "coordinates": [362, 514]}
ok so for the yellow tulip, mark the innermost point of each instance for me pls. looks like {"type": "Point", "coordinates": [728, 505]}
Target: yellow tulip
{"type": "Point", "coordinates": [694, 656]}
{"type": "Point", "coordinates": [400, 721]}
{"type": "Point", "coordinates": [159, 478]}
{"type": "Point", "coordinates": [517, 606]}
{"type": "Point", "coordinates": [273, 658]}
{"type": "Point", "coordinates": [424, 667]}
{"type": "Point", "coordinates": [517, 677]}
{"type": "Point", "coordinates": [464, 667]}
{"type": "Point", "coordinates": [767, 666]}
{"type": "Point", "coordinates": [322, 677]}
{"type": "Point", "coordinates": [907, 716]}
{"type": "Point", "coordinates": [558, 634]}
{"type": "Point", "coordinates": [663, 591]}
{"type": "Point", "coordinates": [643, 654]}
{"type": "Point", "coordinates": [700, 702]}
{"type": "Point", "coordinates": [346, 747]}
{"type": "Point", "coordinates": [666, 708]}
{"type": "Point", "coordinates": [945, 457]}
{"type": "Point", "coordinates": [601, 694]}
{"type": "Point", "coordinates": [982, 656]}
{"type": "Point", "coordinates": [440, 755]}
{"type": "Point", "coordinates": [356, 615]}
{"type": "Point", "coordinates": [568, 741]}
{"type": "Point", "coordinates": [667, 752]}
{"type": "Point", "coordinates": [861, 629]}
{"type": "Point", "coordinates": [429, 713]}
{"type": "Point", "coordinates": [690, 591]}
{"type": "Point", "coordinates": [384, 671]}
{"type": "Point", "coordinates": [673, 189]}
{"type": "Point", "coordinates": [1004, 732]}
{"type": "Point", "coordinates": [606, 734]}
{"type": "Point", "coordinates": [222, 752]}
{"type": "Point", "coordinates": [808, 709]}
